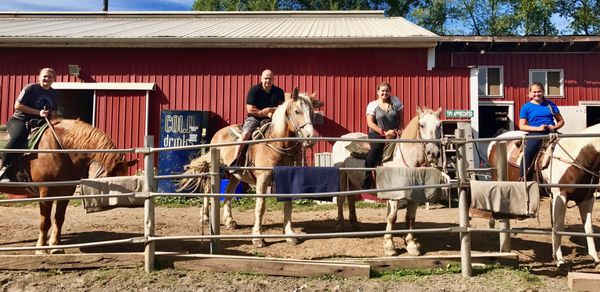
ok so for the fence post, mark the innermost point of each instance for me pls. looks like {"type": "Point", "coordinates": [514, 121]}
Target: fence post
{"type": "Point", "coordinates": [463, 215]}
{"type": "Point", "coordinates": [502, 175]}
{"type": "Point", "coordinates": [215, 204]}
{"type": "Point", "coordinates": [149, 247]}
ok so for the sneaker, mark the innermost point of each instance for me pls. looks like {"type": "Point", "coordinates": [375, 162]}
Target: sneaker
{"type": "Point", "coordinates": [4, 180]}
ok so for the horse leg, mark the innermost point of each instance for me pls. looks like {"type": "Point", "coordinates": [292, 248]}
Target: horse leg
{"type": "Point", "coordinates": [205, 210]}
{"type": "Point", "coordinates": [585, 211]}
{"type": "Point", "coordinates": [259, 212]}
{"type": "Point", "coordinates": [352, 212]}
{"type": "Point", "coordinates": [287, 222]}
{"type": "Point", "coordinates": [412, 246]}
{"type": "Point", "coordinates": [340, 217]}
{"type": "Point", "coordinates": [45, 213]}
{"type": "Point", "coordinates": [59, 219]}
{"type": "Point", "coordinates": [559, 207]}
{"type": "Point", "coordinates": [227, 214]}
{"type": "Point", "coordinates": [388, 242]}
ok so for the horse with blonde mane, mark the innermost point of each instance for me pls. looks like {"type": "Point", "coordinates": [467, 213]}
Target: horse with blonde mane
{"type": "Point", "coordinates": [425, 125]}
{"type": "Point", "coordinates": [47, 167]}
{"type": "Point", "coordinates": [293, 118]}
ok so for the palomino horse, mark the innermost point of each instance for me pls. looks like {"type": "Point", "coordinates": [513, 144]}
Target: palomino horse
{"type": "Point", "coordinates": [573, 161]}
{"type": "Point", "coordinates": [426, 125]}
{"type": "Point", "coordinates": [44, 167]}
{"type": "Point", "coordinates": [291, 119]}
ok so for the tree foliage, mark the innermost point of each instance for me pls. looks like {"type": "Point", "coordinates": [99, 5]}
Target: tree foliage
{"type": "Point", "coordinates": [470, 17]}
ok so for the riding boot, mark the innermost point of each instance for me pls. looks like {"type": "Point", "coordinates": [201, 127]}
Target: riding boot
{"type": "Point", "coordinates": [240, 155]}
{"type": "Point", "coordinates": [368, 182]}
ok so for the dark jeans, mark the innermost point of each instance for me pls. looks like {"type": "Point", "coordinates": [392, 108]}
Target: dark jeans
{"type": "Point", "coordinates": [375, 153]}
{"type": "Point", "coordinates": [18, 132]}
{"type": "Point", "coordinates": [532, 147]}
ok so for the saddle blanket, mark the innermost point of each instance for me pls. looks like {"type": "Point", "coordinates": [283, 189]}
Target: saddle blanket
{"type": "Point", "coordinates": [304, 180]}
{"type": "Point", "coordinates": [397, 177]}
{"type": "Point", "coordinates": [518, 200]}
{"type": "Point", "coordinates": [112, 185]}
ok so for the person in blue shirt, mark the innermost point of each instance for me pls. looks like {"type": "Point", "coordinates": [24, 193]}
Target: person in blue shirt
{"type": "Point", "coordinates": [539, 116]}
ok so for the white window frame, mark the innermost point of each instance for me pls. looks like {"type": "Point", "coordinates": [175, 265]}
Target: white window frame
{"type": "Point", "coordinates": [562, 81]}
{"type": "Point", "coordinates": [487, 95]}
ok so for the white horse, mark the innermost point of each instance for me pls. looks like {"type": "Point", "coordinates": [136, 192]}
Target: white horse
{"type": "Point", "coordinates": [426, 125]}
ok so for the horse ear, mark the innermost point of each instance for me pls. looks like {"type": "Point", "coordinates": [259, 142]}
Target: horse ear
{"type": "Point", "coordinates": [438, 112]}
{"type": "Point", "coordinates": [419, 110]}
{"type": "Point", "coordinates": [295, 94]}
{"type": "Point", "coordinates": [130, 163]}
{"type": "Point", "coordinates": [317, 103]}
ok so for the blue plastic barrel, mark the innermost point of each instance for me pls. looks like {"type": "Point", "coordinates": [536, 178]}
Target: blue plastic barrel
{"type": "Point", "coordinates": [224, 182]}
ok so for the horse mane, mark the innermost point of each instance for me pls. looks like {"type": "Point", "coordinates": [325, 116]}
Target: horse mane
{"type": "Point", "coordinates": [279, 116]}
{"type": "Point", "coordinates": [411, 130]}
{"type": "Point", "coordinates": [81, 135]}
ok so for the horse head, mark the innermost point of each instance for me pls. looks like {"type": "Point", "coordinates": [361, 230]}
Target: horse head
{"type": "Point", "coordinates": [299, 113]}
{"type": "Point", "coordinates": [430, 129]}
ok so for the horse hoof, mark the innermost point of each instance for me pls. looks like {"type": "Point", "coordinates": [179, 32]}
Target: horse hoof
{"type": "Point", "coordinates": [41, 252]}
{"type": "Point", "coordinates": [259, 242]}
{"type": "Point", "coordinates": [57, 251]}
{"type": "Point", "coordinates": [597, 266]}
{"type": "Point", "coordinates": [389, 249]}
{"type": "Point", "coordinates": [339, 228]}
{"type": "Point", "coordinates": [293, 241]}
{"type": "Point", "coordinates": [231, 225]}
{"type": "Point", "coordinates": [413, 250]}
{"type": "Point", "coordinates": [563, 267]}
{"type": "Point", "coordinates": [354, 227]}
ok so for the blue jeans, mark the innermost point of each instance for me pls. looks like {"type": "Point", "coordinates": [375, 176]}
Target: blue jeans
{"type": "Point", "coordinates": [532, 147]}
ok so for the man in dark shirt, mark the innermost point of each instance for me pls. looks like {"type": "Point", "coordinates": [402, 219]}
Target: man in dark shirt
{"type": "Point", "coordinates": [261, 102]}
{"type": "Point", "coordinates": [36, 101]}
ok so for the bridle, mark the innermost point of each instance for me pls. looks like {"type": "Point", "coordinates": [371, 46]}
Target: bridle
{"type": "Point", "coordinates": [297, 128]}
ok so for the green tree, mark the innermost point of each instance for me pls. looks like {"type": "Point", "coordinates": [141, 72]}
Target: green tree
{"type": "Point", "coordinates": [535, 16]}
{"type": "Point", "coordinates": [434, 15]}
{"type": "Point", "coordinates": [583, 14]}
{"type": "Point", "coordinates": [488, 17]}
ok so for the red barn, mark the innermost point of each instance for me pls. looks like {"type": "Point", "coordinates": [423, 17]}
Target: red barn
{"type": "Point", "coordinates": [117, 70]}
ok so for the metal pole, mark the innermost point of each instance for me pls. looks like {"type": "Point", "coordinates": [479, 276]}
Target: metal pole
{"type": "Point", "coordinates": [149, 247]}
{"type": "Point", "coordinates": [465, 237]}
{"type": "Point", "coordinates": [502, 175]}
{"type": "Point", "coordinates": [215, 204]}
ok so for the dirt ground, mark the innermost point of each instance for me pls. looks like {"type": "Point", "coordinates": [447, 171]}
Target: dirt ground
{"type": "Point", "coordinates": [18, 227]}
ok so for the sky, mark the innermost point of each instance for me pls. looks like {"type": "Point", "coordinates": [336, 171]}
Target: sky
{"type": "Point", "coordinates": [95, 5]}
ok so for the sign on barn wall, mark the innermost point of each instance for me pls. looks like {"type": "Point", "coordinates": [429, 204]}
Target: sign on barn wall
{"type": "Point", "coordinates": [459, 114]}
{"type": "Point", "coordinates": [180, 128]}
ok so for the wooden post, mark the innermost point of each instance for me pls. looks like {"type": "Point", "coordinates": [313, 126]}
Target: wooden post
{"type": "Point", "coordinates": [149, 246]}
{"type": "Point", "coordinates": [215, 204]}
{"type": "Point", "coordinates": [463, 213]}
{"type": "Point", "coordinates": [502, 175]}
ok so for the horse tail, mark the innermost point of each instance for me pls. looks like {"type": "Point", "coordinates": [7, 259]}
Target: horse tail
{"type": "Point", "coordinates": [199, 165]}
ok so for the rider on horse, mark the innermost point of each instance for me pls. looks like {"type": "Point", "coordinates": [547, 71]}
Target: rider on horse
{"type": "Point", "coordinates": [36, 100]}
{"type": "Point", "coordinates": [261, 102]}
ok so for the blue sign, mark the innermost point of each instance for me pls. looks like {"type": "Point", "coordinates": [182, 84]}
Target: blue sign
{"type": "Point", "coordinates": [180, 128]}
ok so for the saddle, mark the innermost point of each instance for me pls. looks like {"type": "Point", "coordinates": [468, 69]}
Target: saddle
{"type": "Point", "coordinates": [540, 161]}
{"type": "Point", "coordinates": [359, 150]}
{"type": "Point", "coordinates": [236, 134]}
{"type": "Point", "coordinates": [33, 139]}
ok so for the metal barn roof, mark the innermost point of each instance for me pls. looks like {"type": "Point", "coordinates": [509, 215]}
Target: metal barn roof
{"type": "Point", "coordinates": [211, 29]}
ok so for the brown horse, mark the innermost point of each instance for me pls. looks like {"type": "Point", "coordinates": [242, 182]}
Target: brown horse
{"type": "Point", "coordinates": [291, 119]}
{"type": "Point", "coordinates": [572, 161]}
{"type": "Point", "coordinates": [45, 167]}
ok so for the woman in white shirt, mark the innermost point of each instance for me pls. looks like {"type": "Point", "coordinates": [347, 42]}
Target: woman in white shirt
{"type": "Point", "coordinates": [384, 119]}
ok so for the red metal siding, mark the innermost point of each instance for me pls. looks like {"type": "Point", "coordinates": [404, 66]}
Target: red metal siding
{"type": "Point", "coordinates": [121, 115]}
{"type": "Point", "coordinates": [580, 81]}
{"type": "Point", "coordinates": [217, 80]}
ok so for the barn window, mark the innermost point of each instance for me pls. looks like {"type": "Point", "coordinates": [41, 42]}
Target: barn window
{"type": "Point", "coordinates": [491, 81]}
{"type": "Point", "coordinates": [551, 78]}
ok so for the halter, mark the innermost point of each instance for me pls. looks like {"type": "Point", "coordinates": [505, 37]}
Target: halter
{"type": "Point", "coordinates": [297, 128]}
